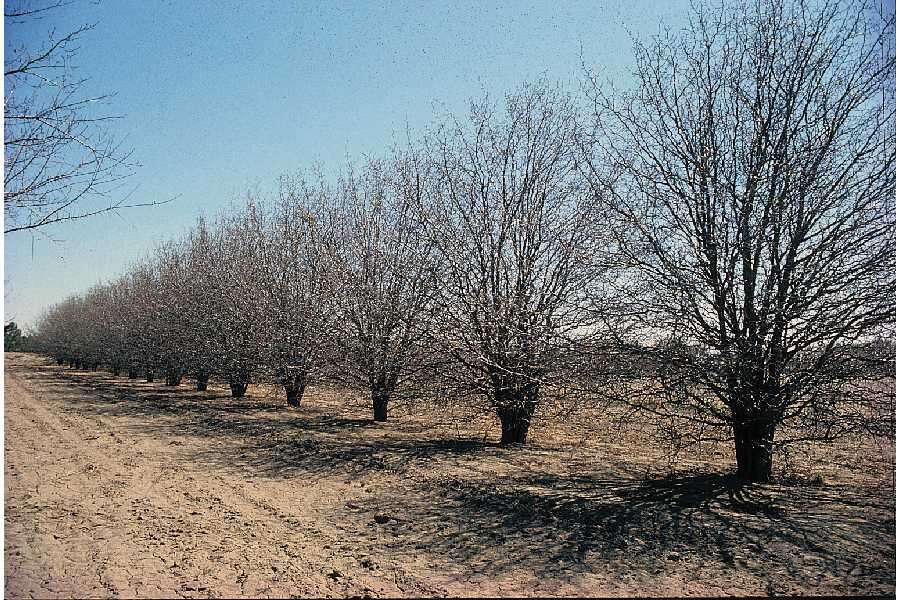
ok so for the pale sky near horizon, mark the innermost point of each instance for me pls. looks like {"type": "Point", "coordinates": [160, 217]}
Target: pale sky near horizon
{"type": "Point", "coordinates": [220, 97]}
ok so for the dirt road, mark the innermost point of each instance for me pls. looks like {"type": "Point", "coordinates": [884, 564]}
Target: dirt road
{"type": "Point", "coordinates": [96, 508]}
{"type": "Point", "coordinates": [124, 488]}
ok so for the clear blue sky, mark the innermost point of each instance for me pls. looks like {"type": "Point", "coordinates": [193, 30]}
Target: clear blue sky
{"type": "Point", "coordinates": [220, 96]}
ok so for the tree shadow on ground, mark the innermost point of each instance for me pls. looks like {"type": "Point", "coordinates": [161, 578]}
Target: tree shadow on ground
{"type": "Point", "coordinates": [498, 515]}
{"type": "Point", "coordinates": [265, 438]}
{"type": "Point", "coordinates": [552, 524]}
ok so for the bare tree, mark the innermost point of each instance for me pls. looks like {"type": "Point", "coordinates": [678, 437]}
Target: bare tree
{"type": "Point", "coordinates": [57, 333]}
{"type": "Point", "coordinates": [295, 284]}
{"type": "Point", "coordinates": [510, 214]}
{"type": "Point", "coordinates": [387, 278]}
{"type": "Point", "coordinates": [61, 160]}
{"type": "Point", "coordinates": [232, 280]}
{"type": "Point", "coordinates": [118, 328]}
{"type": "Point", "coordinates": [756, 165]}
{"type": "Point", "coordinates": [197, 291]}
{"type": "Point", "coordinates": [173, 314]}
{"type": "Point", "coordinates": [145, 314]}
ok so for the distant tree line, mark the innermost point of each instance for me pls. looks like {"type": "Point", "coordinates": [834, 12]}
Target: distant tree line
{"type": "Point", "coordinates": [714, 246]}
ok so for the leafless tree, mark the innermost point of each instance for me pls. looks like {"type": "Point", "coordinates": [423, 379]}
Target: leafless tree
{"type": "Point", "coordinates": [755, 191]}
{"type": "Point", "coordinates": [232, 280]}
{"type": "Point", "coordinates": [511, 214]}
{"type": "Point", "coordinates": [57, 333]}
{"type": "Point", "coordinates": [62, 161]}
{"type": "Point", "coordinates": [145, 312]}
{"type": "Point", "coordinates": [173, 321]}
{"type": "Point", "coordinates": [197, 290]}
{"type": "Point", "coordinates": [118, 328]}
{"type": "Point", "coordinates": [295, 283]}
{"type": "Point", "coordinates": [73, 331]}
{"type": "Point", "coordinates": [386, 278]}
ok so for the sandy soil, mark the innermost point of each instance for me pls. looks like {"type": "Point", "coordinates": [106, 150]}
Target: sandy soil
{"type": "Point", "coordinates": [125, 488]}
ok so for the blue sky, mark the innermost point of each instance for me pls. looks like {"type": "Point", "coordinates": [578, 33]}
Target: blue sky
{"type": "Point", "coordinates": [219, 97]}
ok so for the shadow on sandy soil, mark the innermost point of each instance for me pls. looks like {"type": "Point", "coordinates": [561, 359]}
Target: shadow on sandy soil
{"type": "Point", "coordinates": [547, 523]}
{"type": "Point", "coordinates": [267, 438]}
{"type": "Point", "coordinates": [504, 517]}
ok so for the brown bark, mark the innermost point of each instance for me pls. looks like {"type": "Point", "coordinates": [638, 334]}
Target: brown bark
{"type": "Point", "coordinates": [753, 449]}
{"type": "Point", "coordinates": [515, 407]}
{"type": "Point", "coordinates": [238, 382]}
{"type": "Point", "coordinates": [294, 386]}
{"type": "Point", "coordinates": [173, 377]}
{"type": "Point", "coordinates": [380, 397]}
{"type": "Point", "coordinates": [202, 380]}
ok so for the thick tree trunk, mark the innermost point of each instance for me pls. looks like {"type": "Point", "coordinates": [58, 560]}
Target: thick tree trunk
{"type": "Point", "coordinates": [380, 397]}
{"type": "Point", "coordinates": [149, 376]}
{"type": "Point", "coordinates": [515, 407]}
{"type": "Point", "coordinates": [753, 449]}
{"type": "Point", "coordinates": [173, 376]}
{"type": "Point", "coordinates": [513, 425]}
{"type": "Point", "coordinates": [202, 380]}
{"type": "Point", "coordinates": [238, 383]}
{"type": "Point", "coordinates": [238, 388]}
{"type": "Point", "coordinates": [294, 386]}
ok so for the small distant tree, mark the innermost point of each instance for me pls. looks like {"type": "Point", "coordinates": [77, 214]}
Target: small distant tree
{"type": "Point", "coordinates": [146, 332]}
{"type": "Point", "coordinates": [756, 163]}
{"type": "Point", "coordinates": [12, 337]}
{"type": "Point", "coordinates": [175, 339]}
{"type": "Point", "coordinates": [197, 301]}
{"type": "Point", "coordinates": [119, 328]}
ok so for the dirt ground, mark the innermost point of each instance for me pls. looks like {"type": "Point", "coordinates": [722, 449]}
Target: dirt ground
{"type": "Point", "coordinates": [125, 488]}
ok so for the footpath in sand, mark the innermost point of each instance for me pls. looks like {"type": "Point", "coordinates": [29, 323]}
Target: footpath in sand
{"type": "Point", "coordinates": [118, 488]}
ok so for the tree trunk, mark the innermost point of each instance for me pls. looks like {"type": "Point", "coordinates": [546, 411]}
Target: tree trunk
{"type": "Point", "coordinates": [294, 386]}
{"type": "Point", "coordinates": [149, 376]}
{"type": "Point", "coordinates": [116, 370]}
{"type": "Point", "coordinates": [60, 361]}
{"type": "Point", "coordinates": [513, 425]}
{"type": "Point", "coordinates": [95, 366]}
{"type": "Point", "coordinates": [238, 380]}
{"type": "Point", "coordinates": [515, 407]}
{"type": "Point", "coordinates": [173, 376]}
{"type": "Point", "coordinates": [202, 380]}
{"type": "Point", "coordinates": [753, 449]}
{"type": "Point", "coordinates": [380, 397]}
{"type": "Point", "coordinates": [132, 373]}
{"type": "Point", "coordinates": [238, 388]}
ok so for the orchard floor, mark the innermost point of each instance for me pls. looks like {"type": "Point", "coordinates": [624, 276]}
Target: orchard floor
{"type": "Point", "coordinates": [125, 488]}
